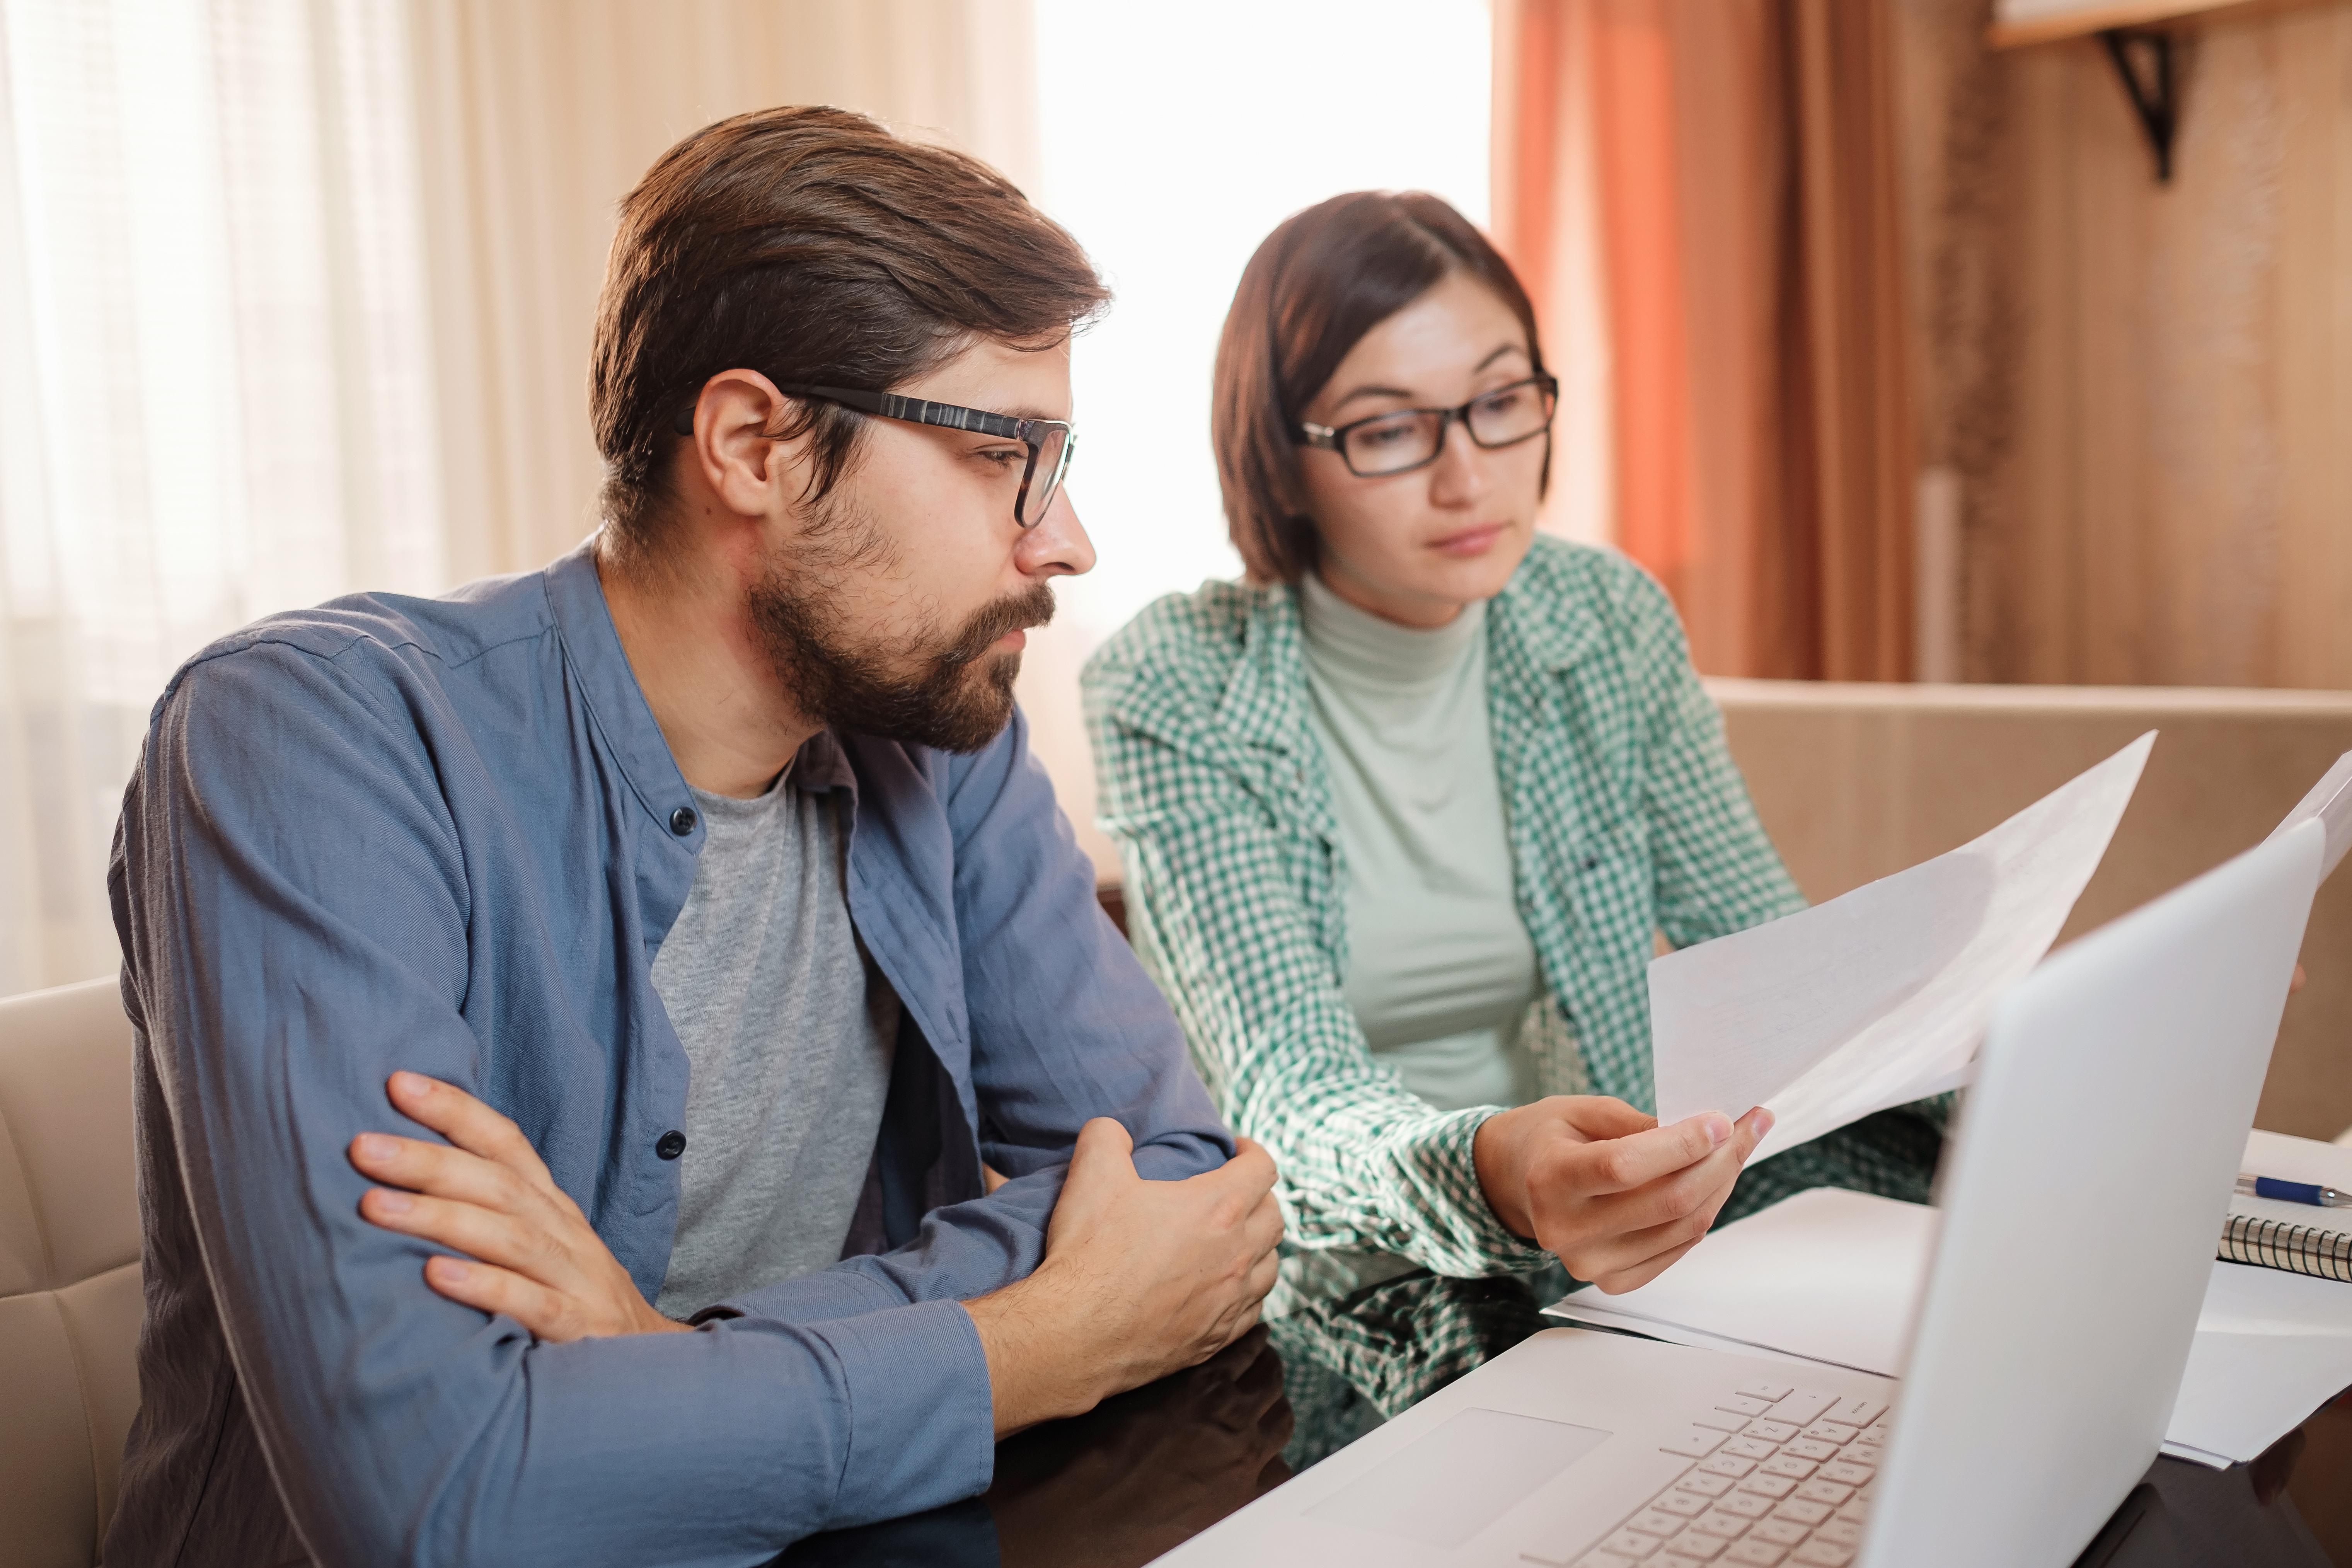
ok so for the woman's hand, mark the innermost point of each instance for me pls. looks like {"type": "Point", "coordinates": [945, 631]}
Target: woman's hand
{"type": "Point", "coordinates": [1602, 1186]}
{"type": "Point", "coordinates": [537, 1258]}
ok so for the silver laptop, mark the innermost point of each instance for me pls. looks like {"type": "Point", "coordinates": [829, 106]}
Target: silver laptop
{"type": "Point", "coordinates": [2094, 1163]}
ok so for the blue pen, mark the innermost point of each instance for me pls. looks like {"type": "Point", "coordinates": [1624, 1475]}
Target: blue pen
{"type": "Point", "coordinates": [2293, 1191]}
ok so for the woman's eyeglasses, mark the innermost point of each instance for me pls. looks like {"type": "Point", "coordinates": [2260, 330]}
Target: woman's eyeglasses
{"type": "Point", "coordinates": [1412, 438]}
{"type": "Point", "coordinates": [1051, 442]}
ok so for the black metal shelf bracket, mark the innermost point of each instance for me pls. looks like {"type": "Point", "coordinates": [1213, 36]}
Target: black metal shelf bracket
{"type": "Point", "coordinates": [2143, 63]}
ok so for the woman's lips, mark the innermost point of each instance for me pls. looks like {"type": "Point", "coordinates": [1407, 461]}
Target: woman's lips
{"type": "Point", "coordinates": [1470, 541]}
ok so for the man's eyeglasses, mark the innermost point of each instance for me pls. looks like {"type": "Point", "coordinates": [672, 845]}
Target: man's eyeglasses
{"type": "Point", "coordinates": [1412, 438]}
{"type": "Point", "coordinates": [1051, 442]}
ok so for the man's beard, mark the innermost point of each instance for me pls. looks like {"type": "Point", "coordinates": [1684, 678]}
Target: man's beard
{"type": "Point", "coordinates": [958, 699]}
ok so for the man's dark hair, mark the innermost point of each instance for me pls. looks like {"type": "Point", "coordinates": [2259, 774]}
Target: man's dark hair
{"type": "Point", "coordinates": [1322, 279]}
{"type": "Point", "coordinates": [813, 245]}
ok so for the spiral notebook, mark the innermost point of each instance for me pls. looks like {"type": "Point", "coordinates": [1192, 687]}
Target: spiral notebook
{"type": "Point", "coordinates": [2296, 1237]}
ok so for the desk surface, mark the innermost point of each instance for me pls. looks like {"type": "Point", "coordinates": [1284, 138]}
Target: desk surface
{"type": "Point", "coordinates": [1151, 1468]}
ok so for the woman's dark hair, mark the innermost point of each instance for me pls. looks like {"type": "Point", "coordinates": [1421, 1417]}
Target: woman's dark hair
{"type": "Point", "coordinates": [813, 245]}
{"type": "Point", "coordinates": [1318, 284]}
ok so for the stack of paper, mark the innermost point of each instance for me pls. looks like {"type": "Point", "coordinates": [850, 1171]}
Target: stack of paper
{"type": "Point", "coordinates": [1880, 997]}
{"type": "Point", "coordinates": [2270, 1344]}
{"type": "Point", "coordinates": [1827, 1275]}
{"type": "Point", "coordinates": [2271, 1348]}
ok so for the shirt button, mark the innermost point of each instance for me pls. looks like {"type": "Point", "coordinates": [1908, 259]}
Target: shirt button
{"type": "Point", "coordinates": [671, 1144]}
{"type": "Point", "coordinates": [682, 820]}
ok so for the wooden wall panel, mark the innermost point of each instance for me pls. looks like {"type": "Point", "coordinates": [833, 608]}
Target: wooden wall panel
{"type": "Point", "coordinates": [1857, 782]}
{"type": "Point", "coordinates": [2145, 389]}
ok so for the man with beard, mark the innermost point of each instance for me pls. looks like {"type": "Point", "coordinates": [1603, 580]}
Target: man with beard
{"type": "Point", "coordinates": [583, 1020]}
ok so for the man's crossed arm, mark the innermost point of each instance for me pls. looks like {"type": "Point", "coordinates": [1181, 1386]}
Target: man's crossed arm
{"type": "Point", "coordinates": [1140, 1277]}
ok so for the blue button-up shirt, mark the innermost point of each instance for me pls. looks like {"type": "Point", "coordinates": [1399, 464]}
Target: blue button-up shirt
{"type": "Point", "coordinates": [441, 834]}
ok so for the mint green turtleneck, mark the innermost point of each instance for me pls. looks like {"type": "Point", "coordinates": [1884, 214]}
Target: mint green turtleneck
{"type": "Point", "coordinates": [1440, 967]}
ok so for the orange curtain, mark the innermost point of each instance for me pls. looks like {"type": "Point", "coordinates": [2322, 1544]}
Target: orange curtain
{"type": "Point", "coordinates": [1742, 210]}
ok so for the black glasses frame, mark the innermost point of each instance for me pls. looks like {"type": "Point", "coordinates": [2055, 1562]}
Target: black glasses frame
{"type": "Point", "coordinates": [1031, 433]}
{"type": "Point", "coordinates": [1334, 438]}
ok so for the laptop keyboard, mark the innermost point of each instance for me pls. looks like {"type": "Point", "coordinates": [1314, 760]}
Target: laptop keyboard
{"type": "Point", "coordinates": [1779, 1474]}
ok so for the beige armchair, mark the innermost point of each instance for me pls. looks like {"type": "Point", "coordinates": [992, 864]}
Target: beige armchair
{"type": "Point", "coordinates": [69, 1300]}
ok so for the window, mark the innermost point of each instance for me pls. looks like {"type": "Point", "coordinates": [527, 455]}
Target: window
{"type": "Point", "coordinates": [1172, 141]}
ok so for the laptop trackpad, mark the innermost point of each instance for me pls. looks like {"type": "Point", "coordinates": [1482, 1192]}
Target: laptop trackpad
{"type": "Point", "coordinates": [1446, 1488]}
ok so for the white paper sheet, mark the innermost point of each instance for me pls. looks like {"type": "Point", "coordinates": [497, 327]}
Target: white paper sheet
{"type": "Point", "coordinates": [1881, 996]}
{"type": "Point", "coordinates": [2272, 1347]}
{"type": "Point", "coordinates": [2330, 800]}
{"type": "Point", "coordinates": [1833, 1277]}
{"type": "Point", "coordinates": [1828, 1275]}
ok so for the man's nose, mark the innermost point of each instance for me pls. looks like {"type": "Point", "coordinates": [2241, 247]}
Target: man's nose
{"type": "Point", "coordinates": [1058, 545]}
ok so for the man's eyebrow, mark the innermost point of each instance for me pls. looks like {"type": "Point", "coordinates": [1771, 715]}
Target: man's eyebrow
{"type": "Point", "coordinates": [1399, 392]}
{"type": "Point", "coordinates": [1018, 411]}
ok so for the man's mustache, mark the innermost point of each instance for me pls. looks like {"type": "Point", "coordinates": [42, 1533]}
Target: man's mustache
{"type": "Point", "coordinates": [1031, 607]}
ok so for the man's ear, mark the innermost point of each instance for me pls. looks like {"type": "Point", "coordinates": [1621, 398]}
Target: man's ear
{"type": "Point", "coordinates": [744, 469]}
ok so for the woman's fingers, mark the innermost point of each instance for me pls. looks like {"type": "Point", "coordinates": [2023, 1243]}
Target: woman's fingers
{"type": "Point", "coordinates": [1615, 1234]}
{"type": "Point", "coordinates": [1623, 1165]}
{"type": "Point", "coordinates": [1678, 1199]}
{"type": "Point", "coordinates": [1597, 1116]}
{"type": "Point", "coordinates": [1612, 1253]}
{"type": "Point", "coordinates": [1641, 1273]}
{"type": "Point", "coordinates": [1703, 1185]}
{"type": "Point", "coordinates": [1697, 1188]}
{"type": "Point", "coordinates": [467, 1123]}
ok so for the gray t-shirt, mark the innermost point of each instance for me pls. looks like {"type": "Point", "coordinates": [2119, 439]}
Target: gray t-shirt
{"type": "Point", "coordinates": [788, 1031]}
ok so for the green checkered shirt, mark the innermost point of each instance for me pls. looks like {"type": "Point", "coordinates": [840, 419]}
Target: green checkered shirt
{"type": "Point", "coordinates": [1627, 819]}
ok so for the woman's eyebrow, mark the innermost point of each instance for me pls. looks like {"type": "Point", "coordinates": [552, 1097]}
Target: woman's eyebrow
{"type": "Point", "coordinates": [1373, 392]}
{"type": "Point", "coordinates": [1520, 349]}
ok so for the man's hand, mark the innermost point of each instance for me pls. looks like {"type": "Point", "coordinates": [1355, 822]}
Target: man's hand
{"type": "Point", "coordinates": [537, 1260]}
{"type": "Point", "coordinates": [1613, 1194]}
{"type": "Point", "coordinates": [1140, 1279]}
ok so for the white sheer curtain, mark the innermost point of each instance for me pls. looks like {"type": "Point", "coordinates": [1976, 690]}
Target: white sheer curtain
{"type": "Point", "coordinates": [537, 116]}
{"type": "Point", "coordinates": [296, 298]}
{"type": "Point", "coordinates": [214, 384]}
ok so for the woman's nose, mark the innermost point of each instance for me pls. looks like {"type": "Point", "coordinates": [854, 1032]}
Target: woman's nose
{"type": "Point", "coordinates": [1458, 477]}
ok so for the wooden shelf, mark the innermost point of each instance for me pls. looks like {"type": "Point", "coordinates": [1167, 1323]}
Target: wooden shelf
{"type": "Point", "coordinates": [2081, 21]}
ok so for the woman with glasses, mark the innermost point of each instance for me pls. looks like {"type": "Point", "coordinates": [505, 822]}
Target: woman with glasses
{"type": "Point", "coordinates": [1404, 811]}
